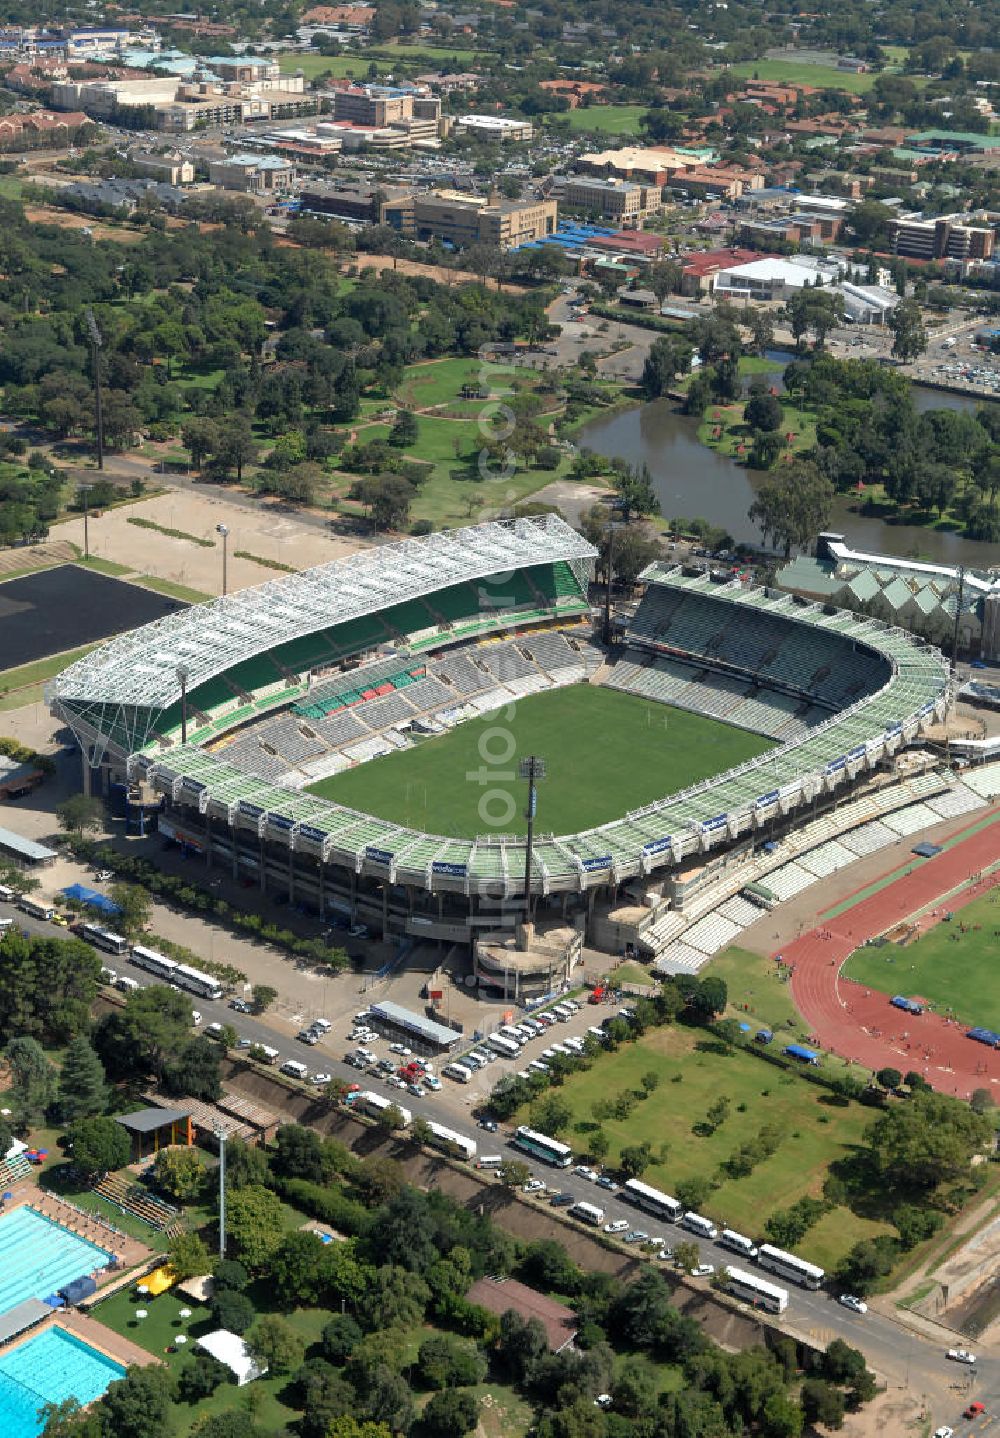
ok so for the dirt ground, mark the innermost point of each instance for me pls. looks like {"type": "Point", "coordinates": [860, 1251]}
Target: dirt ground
{"type": "Point", "coordinates": [47, 215]}
{"type": "Point", "coordinates": [268, 532]}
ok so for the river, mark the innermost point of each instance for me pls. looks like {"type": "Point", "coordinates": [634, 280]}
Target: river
{"type": "Point", "coordinates": [692, 480]}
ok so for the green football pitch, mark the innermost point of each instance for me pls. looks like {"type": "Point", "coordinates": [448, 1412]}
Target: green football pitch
{"type": "Point", "coordinates": [953, 967]}
{"type": "Point", "coordinates": [605, 753]}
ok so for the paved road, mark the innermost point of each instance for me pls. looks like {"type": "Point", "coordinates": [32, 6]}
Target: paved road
{"type": "Point", "coordinates": [904, 1358]}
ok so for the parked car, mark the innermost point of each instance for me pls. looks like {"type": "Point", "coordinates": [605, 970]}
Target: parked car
{"type": "Point", "coordinates": [617, 1225]}
{"type": "Point", "coordinates": [320, 1080]}
{"type": "Point", "coordinates": [961, 1355]}
{"type": "Point", "coordinates": [608, 1183]}
{"type": "Point", "coordinates": [489, 1125]}
{"type": "Point", "coordinates": [590, 1174]}
{"type": "Point", "coordinates": [562, 1200]}
{"type": "Point", "coordinates": [703, 1270]}
{"type": "Point", "coordinates": [975, 1410]}
{"type": "Point", "coordinates": [239, 1006]}
{"type": "Point", "coordinates": [534, 1185]}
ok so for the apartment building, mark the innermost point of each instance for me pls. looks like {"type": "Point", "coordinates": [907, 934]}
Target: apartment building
{"type": "Point", "coordinates": [459, 219]}
{"type": "Point", "coordinates": [494, 127]}
{"type": "Point", "coordinates": [946, 237]}
{"type": "Point", "coordinates": [253, 174]}
{"type": "Point", "coordinates": [167, 165]}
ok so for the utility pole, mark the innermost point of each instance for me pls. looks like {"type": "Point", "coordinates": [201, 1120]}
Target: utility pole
{"type": "Point", "coordinates": [85, 491]}
{"type": "Point", "coordinates": [182, 673]}
{"type": "Point", "coordinates": [96, 342]}
{"type": "Point", "coordinates": [607, 589]}
{"type": "Point", "coordinates": [221, 1135]}
{"type": "Point", "coordinates": [533, 769]}
{"type": "Point", "coordinates": [223, 529]}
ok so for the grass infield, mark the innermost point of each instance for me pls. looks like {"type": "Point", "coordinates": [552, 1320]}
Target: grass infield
{"type": "Point", "coordinates": [605, 753]}
{"type": "Point", "coordinates": [954, 970]}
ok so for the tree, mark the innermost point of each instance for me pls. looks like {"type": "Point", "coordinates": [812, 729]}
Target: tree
{"type": "Point", "coordinates": [230, 1273]}
{"type": "Point", "coordinates": [817, 310]}
{"type": "Point", "coordinates": [512, 1173]}
{"type": "Point", "coordinates": [246, 1164]}
{"type": "Point", "coordinates": [80, 813]}
{"type": "Point", "coordinates": [405, 431]}
{"type": "Point", "coordinates": [139, 1404]}
{"type": "Point", "coordinates": [450, 1414]}
{"type": "Point", "coordinates": [135, 908]}
{"type": "Point", "coordinates": [263, 997]}
{"type": "Point", "coordinates": [870, 221]}
{"type": "Point", "coordinates": [180, 1173]}
{"type": "Point", "coordinates": [909, 335]}
{"type": "Point", "coordinates": [387, 498]}
{"type": "Point", "coordinates": [709, 997]}
{"type": "Point", "coordinates": [793, 508]}
{"type": "Point", "coordinates": [663, 277]}
{"type": "Point", "coordinates": [99, 1145]}
{"type": "Point", "coordinates": [33, 1081]}
{"type": "Point", "coordinates": [200, 1377]}
{"type": "Point", "coordinates": [889, 1078]}
{"type": "Point", "coordinates": [763, 412]}
{"type": "Point", "coordinates": [188, 1256]}
{"type": "Point", "coordinates": [687, 1256]}
{"type": "Point", "coordinates": [340, 1338]}
{"type": "Point", "coordinates": [551, 1114]}
{"type": "Point", "coordinates": [200, 437]}
{"type": "Point", "coordinates": [297, 1269]}
{"type": "Point", "coordinates": [195, 1071]}
{"type": "Point", "coordinates": [598, 1145]}
{"type": "Point", "coordinates": [298, 1153]}
{"type": "Point", "coordinates": [447, 1362]}
{"type": "Point", "coordinates": [981, 1100]}
{"type": "Point", "coordinates": [232, 1310]}
{"type": "Point", "coordinates": [255, 1220]}
{"type": "Point", "coordinates": [636, 495]}
{"type": "Point", "coordinates": [927, 1141]}
{"type": "Point", "coordinates": [147, 1036]}
{"type": "Point", "coordinates": [275, 1344]}
{"type": "Point", "coordinates": [669, 356]}
{"type": "Point", "coordinates": [761, 326]}
{"type": "Point", "coordinates": [635, 1159]}
{"type": "Point", "coordinates": [82, 1088]}
{"type": "Point", "coordinates": [236, 447]}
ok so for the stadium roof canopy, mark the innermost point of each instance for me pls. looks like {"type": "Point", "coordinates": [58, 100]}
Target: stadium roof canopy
{"type": "Point", "coordinates": [141, 668]}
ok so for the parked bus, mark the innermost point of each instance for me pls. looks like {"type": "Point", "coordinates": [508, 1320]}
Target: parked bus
{"type": "Point", "coordinates": [37, 908]}
{"type": "Point", "coordinates": [788, 1266]}
{"type": "Point", "coordinates": [506, 1048]}
{"type": "Point", "coordinates": [490, 1162]}
{"type": "Point", "coordinates": [157, 964]}
{"type": "Point", "coordinates": [104, 939]}
{"type": "Point", "coordinates": [549, 1150]}
{"type": "Point", "coordinates": [756, 1290]}
{"type": "Point", "coordinates": [729, 1238]}
{"type": "Point", "coordinates": [451, 1142]}
{"type": "Point", "coordinates": [703, 1227]}
{"type": "Point", "coordinates": [198, 983]}
{"type": "Point", "coordinates": [7, 895]}
{"type": "Point", "coordinates": [376, 1105]}
{"type": "Point", "coordinates": [587, 1213]}
{"type": "Point", "coordinates": [651, 1200]}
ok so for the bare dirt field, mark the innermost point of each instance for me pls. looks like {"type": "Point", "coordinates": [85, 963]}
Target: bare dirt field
{"type": "Point", "coordinates": [47, 215]}
{"type": "Point", "coordinates": [268, 532]}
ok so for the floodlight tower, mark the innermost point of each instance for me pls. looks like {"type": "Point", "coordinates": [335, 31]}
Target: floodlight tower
{"type": "Point", "coordinates": [96, 343]}
{"type": "Point", "coordinates": [222, 1135]}
{"type": "Point", "coordinates": [533, 769]}
{"type": "Point", "coordinates": [183, 674]}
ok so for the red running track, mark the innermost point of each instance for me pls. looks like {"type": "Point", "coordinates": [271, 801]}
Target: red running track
{"type": "Point", "coordinates": [860, 1024]}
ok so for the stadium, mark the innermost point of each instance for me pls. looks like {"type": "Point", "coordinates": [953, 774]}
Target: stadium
{"type": "Point", "coordinates": [315, 734]}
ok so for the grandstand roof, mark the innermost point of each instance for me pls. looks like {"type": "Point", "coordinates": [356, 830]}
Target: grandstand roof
{"type": "Point", "coordinates": [141, 668]}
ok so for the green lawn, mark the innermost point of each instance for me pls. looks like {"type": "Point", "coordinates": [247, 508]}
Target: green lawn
{"type": "Point", "coordinates": [38, 671]}
{"type": "Point", "coordinates": [954, 971]}
{"type": "Point", "coordinates": [441, 382]}
{"type": "Point", "coordinates": [604, 119]}
{"type": "Point", "coordinates": [758, 989]}
{"type": "Point", "coordinates": [172, 590]}
{"type": "Point", "coordinates": [800, 72]}
{"type": "Point", "coordinates": [815, 1133]}
{"type": "Point", "coordinates": [342, 67]}
{"type": "Point", "coordinates": [606, 753]}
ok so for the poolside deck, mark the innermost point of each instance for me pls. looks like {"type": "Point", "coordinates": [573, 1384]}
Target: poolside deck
{"type": "Point", "coordinates": [127, 1252]}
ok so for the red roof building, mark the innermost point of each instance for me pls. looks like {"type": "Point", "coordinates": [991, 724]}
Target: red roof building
{"type": "Point", "coordinates": [699, 272]}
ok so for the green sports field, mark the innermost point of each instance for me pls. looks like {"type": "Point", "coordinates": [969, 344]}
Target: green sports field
{"type": "Point", "coordinates": [605, 753]}
{"type": "Point", "coordinates": [953, 970]}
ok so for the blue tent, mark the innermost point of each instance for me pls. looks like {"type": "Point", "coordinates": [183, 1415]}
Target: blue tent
{"type": "Point", "coordinates": [92, 899]}
{"type": "Point", "coordinates": [799, 1051]}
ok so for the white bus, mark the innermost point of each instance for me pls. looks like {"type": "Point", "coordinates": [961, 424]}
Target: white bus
{"type": "Point", "coordinates": [651, 1200]}
{"type": "Point", "coordinates": [458, 1072]}
{"type": "Point", "coordinates": [549, 1150]}
{"type": "Point", "coordinates": [104, 939]}
{"type": "Point", "coordinates": [703, 1227]}
{"type": "Point", "coordinates": [37, 908]}
{"type": "Point", "coordinates": [729, 1238]}
{"type": "Point", "coordinates": [587, 1213]}
{"type": "Point", "coordinates": [157, 964]}
{"type": "Point", "coordinates": [756, 1290]}
{"type": "Point", "coordinates": [451, 1142]}
{"type": "Point", "coordinates": [788, 1266]}
{"type": "Point", "coordinates": [506, 1048]}
{"type": "Point", "coordinates": [376, 1105]}
{"type": "Point", "coordinates": [198, 983]}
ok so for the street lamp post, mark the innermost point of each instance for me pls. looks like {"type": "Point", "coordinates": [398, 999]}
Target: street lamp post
{"type": "Point", "coordinates": [223, 529]}
{"type": "Point", "coordinates": [96, 341]}
{"type": "Point", "coordinates": [182, 673]}
{"type": "Point", "coordinates": [85, 491]}
{"type": "Point", "coordinates": [221, 1135]}
{"type": "Point", "coordinates": [533, 769]}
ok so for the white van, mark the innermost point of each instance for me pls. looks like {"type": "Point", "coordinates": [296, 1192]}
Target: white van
{"type": "Point", "coordinates": [458, 1072]}
{"type": "Point", "coordinates": [507, 1048]}
{"type": "Point", "coordinates": [7, 895]}
{"type": "Point", "coordinates": [265, 1054]}
{"type": "Point", "coordinates": [127, 985]}
{"type": "Point", "coordinates": [563, 1013]}
{"type": "Point", "coordinates": [294, 1070]}
{"type": "Point", "coordinates": [703, 1227]}
{"type": "Point", "coordinates": [108, 976]}
{"type": "Point", "coordinates": [490, 1160]}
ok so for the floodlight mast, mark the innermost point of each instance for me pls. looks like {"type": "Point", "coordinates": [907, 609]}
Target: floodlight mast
{"type": "Point", "coordinates": [531, 768]}
{"type": "Point", "coordinates": [96, 344]}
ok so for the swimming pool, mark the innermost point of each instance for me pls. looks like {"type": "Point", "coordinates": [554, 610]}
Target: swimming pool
{"type": "Point", "coordinates": [38, 1257]}
{"type": "Point", "coordinates": [49, 1369]}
